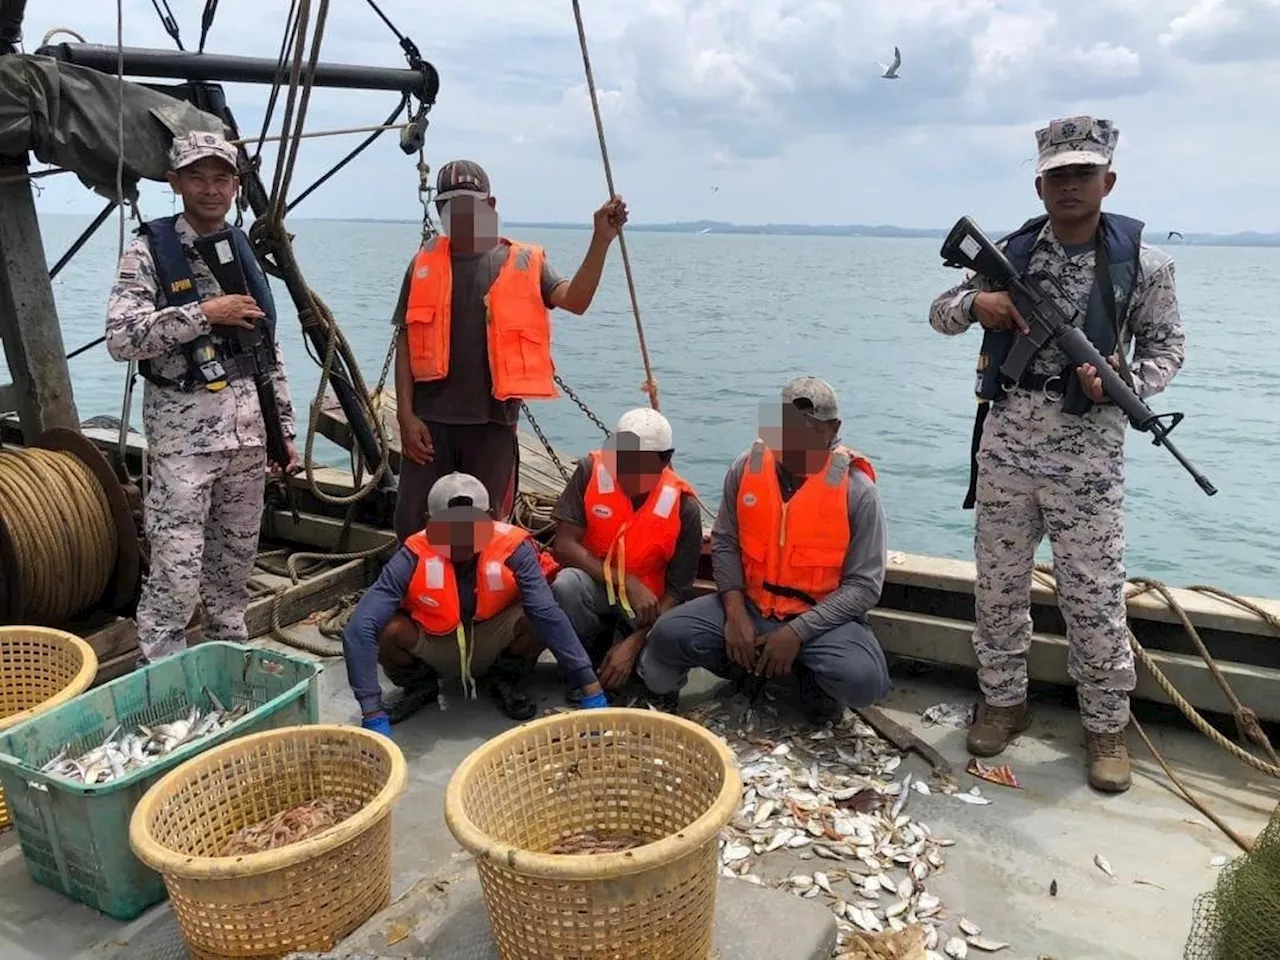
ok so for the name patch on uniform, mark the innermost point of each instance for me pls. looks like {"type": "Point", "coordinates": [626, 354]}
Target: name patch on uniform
{"type": "Point", "coordinates": [601, 511]}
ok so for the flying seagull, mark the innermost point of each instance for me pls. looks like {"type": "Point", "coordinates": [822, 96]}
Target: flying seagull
{"type": "Point", "coordinates": [891, 71]}
{"type": "Point", "coordinates": [1172, 234]}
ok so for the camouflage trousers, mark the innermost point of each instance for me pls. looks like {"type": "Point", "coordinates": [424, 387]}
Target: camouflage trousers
{"type": "Point", "coordinates": [202, 515]}
{"type": "Point", "coordinates": [1083, 514]}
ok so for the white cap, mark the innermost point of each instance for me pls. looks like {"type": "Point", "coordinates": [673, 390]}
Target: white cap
{"type": "Point", "coordinates": [456, 490]}
{"type": "Point", "coordinates": [645, 429]}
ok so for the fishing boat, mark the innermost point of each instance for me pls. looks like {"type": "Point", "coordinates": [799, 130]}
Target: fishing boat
{"type": "Point", "coordinates": [1024, 866]}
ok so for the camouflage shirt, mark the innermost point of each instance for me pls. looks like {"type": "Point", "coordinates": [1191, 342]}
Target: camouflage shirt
{"type": "Point", "coordinates": [140, 327]}
{"type": "Point", "coordinates": [1151, 334]}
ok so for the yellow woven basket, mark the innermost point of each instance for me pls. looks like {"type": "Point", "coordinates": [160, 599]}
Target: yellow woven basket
{"type": "Point", "coordinates": [304, 896]}
{"type": "Point", "coordinates": [658, 777]}
{"type": "Point", "coordinates": [39, 669]}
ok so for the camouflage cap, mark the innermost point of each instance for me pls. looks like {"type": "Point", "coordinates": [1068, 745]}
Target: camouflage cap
{"type": "Point", "coordinates": [815, 397]}
{"type": "Point", "coordinates": [199, 144]}
{"type": "Point", "coordinates": [456, 490]}
{"type": "Point", "coordinates": [461, 178]}
{"type": "Point", "coordinates": [1075, 141]}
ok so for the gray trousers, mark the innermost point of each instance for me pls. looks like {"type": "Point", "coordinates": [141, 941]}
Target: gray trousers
{"type": "Point", "coordinates": [586, 604]}
{"type": "Point", "coordinates": [846, 662]}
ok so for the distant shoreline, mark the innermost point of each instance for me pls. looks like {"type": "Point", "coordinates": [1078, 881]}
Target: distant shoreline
{"type": "Point", "coordinates": [1155, 237]}
{"type": "Point", "coordinates": [1248, 238]}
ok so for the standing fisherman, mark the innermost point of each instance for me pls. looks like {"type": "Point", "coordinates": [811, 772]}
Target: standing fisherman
{"type": "Point", "coordinates": [476, 340]}
{"type": "Point", "coordinates": [206, 435]}
{"type": "Point", "coordinates": [1050, 457]}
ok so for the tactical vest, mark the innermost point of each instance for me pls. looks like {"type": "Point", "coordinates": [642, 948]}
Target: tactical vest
{"type": "Point", "coordinates": [178, 289]}
{"type": "Point", "coordinates": [1121, 242]}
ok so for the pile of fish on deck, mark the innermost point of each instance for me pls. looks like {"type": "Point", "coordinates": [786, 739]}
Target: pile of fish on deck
{"type": "Point", "coordinates": [829, 798]}
{"type": "Point", "coordinates": [118, 756]}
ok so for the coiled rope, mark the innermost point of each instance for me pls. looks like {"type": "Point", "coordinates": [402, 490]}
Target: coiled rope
{"type": "Point", "coordinates": [1246, 719]}
{"type": "Point", "coordinates": [62, 532]}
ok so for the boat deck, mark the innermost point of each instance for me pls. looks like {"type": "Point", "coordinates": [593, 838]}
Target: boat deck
{"type": "Point", "coordinates": [997, 874]}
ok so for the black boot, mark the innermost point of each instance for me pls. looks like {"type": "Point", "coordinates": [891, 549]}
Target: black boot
{"type": "Point", "coordinates": [818, 706]}
{"type": "Point", "coordinates": [646, 699]}
{"type": "Point", "coordinates": [419, 687]}
{"type": "Point", "coordinates": [504, 679]}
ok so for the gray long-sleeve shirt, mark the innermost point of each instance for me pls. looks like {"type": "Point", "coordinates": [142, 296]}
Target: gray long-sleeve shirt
{"type": "Point", "coordinates": [862, 576]}
{"type": "Point", "coordinates": [382, 600]}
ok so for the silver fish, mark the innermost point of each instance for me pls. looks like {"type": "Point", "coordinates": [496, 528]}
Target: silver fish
{"type": "Point", "coordinates": [1100, 862]}
{"type": "Point", "coordinates": [990, 946]}
{"type": "Point", "coordinates": [956, 948]}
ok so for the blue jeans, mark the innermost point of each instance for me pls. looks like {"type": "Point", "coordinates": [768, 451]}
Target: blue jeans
{"type": "Point", "coordinates": [846, 662]}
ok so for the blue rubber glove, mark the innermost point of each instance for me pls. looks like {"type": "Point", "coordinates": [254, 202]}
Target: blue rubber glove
{"type": "Point", "coordinates": [594, 702]}
{"type": "Point", "coordinates": [378, 723]}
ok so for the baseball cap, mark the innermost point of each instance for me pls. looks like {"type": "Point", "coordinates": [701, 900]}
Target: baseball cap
{"type": "Point", "coordinates": [461, 178]}
{"type": "Point", "coordinates": [197, 145]}
{"type": "Point", "coordinates": [648, 430]}
{"type": "Point", "coordinates": [815, 397]}
{"type": "Point", "coordinates": [1075, 141]}
{"type": "Point", "coordinates": [456, 490]}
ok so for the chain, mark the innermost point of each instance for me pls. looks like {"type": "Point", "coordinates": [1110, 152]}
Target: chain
{"type": "Point", "coordinates": [551, 451]}
{"type": "Point", "coordinates": [581, 406]}
{"type": "Point", "coordinates": [425, 192]}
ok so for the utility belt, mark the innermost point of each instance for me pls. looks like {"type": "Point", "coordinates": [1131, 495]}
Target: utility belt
{"type": "Point", "coordinates": [210, 366]}
{"type": "Point", "coordinates": [1052, 386]}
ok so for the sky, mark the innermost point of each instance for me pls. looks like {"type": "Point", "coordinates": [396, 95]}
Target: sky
{"type": "Point", "coordinates": [773, 111]}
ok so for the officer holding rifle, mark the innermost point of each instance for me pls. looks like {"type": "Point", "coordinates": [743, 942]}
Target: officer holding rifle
{"type": "Point", "coordinates": [1049, 449]}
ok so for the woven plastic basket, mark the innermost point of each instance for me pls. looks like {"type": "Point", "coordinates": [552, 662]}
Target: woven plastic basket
{"type": "Point", "coordinates": [39, 669]}
{"type": "Point", "coordinates": [304, 896]}
{"type": "Point", "coordinates": [657, 777]}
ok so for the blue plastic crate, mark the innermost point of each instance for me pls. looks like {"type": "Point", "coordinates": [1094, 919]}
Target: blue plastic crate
{"type": "Point", "coordinates": [75, 838]}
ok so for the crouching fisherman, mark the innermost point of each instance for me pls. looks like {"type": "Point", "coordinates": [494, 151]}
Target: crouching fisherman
{"type": "Point", "coordinates": [449, 604]}
{"type": "Point", "coordinates": [798, 555]}
{"type": "Point", "coordinates": [629, 534]}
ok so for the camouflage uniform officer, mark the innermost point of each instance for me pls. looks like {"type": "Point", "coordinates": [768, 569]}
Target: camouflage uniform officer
{"type": "Point", "coordinates": [207, 446]}
{"type": "Point", "coordinates": [1049, 451]}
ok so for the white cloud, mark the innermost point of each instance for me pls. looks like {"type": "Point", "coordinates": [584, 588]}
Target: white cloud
{"type": "Point", "coordinates": [778, 104]}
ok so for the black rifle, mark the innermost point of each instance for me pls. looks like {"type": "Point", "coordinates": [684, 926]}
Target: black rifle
{"type": "Point", "coordinates": [220, 254]}
{"type": "Point", "coordinates": [1033, 296]}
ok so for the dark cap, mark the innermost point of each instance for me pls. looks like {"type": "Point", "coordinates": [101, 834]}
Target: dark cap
{"type": "Point", "coordinates": [461, 178]}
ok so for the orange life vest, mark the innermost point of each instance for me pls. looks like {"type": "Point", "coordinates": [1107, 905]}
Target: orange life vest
{"type": "Point", "coordinates": [797, 547]}
{"type": "Point", "coordinates": [432, 598]}
{"type": "Point", "coordinates": [517, 321]}
{"type": "Point", "coordinates": [643, 540]}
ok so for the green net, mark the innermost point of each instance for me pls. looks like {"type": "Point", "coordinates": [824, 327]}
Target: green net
{"type": "Point", "coordinates": [1240, 918]}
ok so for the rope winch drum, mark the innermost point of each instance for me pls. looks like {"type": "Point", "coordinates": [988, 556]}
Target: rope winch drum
{"type": "Point", "coordinates": [67, 538]}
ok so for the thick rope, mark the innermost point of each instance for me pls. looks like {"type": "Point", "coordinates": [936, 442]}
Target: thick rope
{"type": "Point", "coordinates": [319, 648]}
{"type": "Point", "coordinates": [1246, 719]}
{"type": "Point", "coordinates": [650, 385]}
{"type": "Point", "coordinates": [62, 531]}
